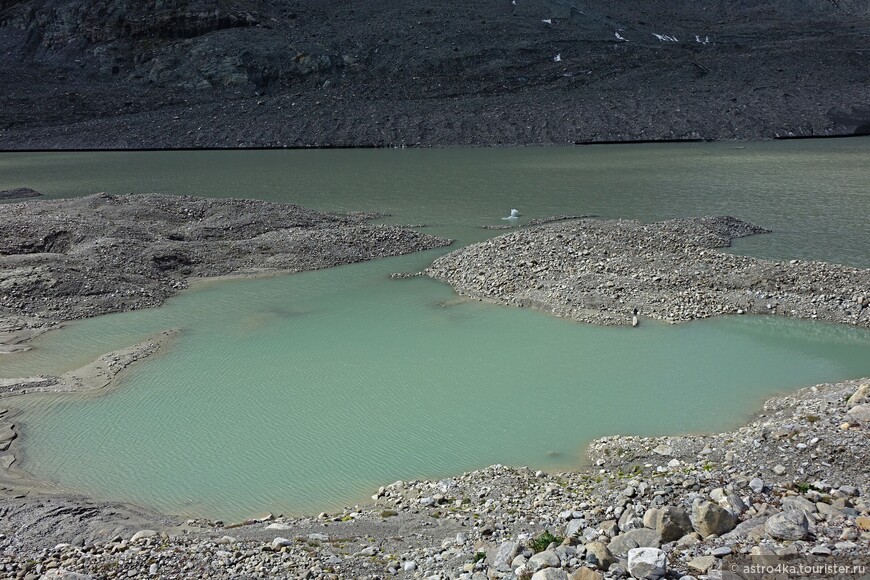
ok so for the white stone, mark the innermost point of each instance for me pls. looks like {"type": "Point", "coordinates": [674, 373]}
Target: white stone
{"type": "Point", "coordinates": [142, 534]}
{"type": "Point", "coordinates": [278, 526]}
{"type": "Point", "coordinates": [647, 563]}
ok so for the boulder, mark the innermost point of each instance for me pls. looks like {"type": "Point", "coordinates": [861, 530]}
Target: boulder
{"type": "Point", "coordinates": [859, 414]}
{"type": "Point", "coordinates": [143, 534]}
{"type": "Point", "coordinates": [550, 574]}
{"type": "Point", "coordinates": [541, 560]}
{"type": "Point", "coordinates": [788, 525]}
{"type": "Point", "coordinates": [573, 528]}
{"type": "Point", "coordinates": [647, 563]}
{"type": "Point", "coordinates": [797, 502]}
{"type": "Point", "coordinates": [672, 523]}
{"type": "Point", "coordinates": [701, 564]}
{"type": "Point", "coordinates": [621, 544]}
{"type": "Point", "coordinates": [645, 538]}
{"type": "Point", "coordinates": [599, 555]}
{"type": "Point", "coordinates": [861, 396]}
{"type": "Point", "coordinates": [650, 518]}
{"type": "Point", "coordinates": [505, 554]}
{"type": "Point", "coordinates": [585, 574]}
{"type": "Point", "coordinates": [709, 518]}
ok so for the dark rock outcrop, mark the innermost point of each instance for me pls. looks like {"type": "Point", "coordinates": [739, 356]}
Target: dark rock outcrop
{"type": "Point", "coordinates": [19, 193]}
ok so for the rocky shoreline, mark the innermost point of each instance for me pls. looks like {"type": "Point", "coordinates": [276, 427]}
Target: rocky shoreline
{"type": "Point", "coordinates": [598, 271]}
{"type": "Point", "coordinates": [791, 486]}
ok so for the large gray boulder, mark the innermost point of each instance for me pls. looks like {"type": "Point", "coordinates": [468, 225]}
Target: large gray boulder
{"type": "Point", "coordinates": [672, 523]}
{"type": "Point", "coordinates": [709, 518]}
{"type": "Point", "coordinates": [645, 537]}
{"type": "Point", "coordinates": [621, 544]}
{"type": "Point", "coordinates": [647, 563]}
{"type": "Point", "coordinates": [859, 414]}
{"type": "Point", "coordinates": [788, 525]}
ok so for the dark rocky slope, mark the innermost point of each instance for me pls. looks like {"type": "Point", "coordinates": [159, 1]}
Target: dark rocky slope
{"type": "Point", "coordinates": [167, 73]}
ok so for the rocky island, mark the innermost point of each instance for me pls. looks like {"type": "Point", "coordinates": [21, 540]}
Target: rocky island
{"type": "Point", "coordinates": [598, 271]}
{"type": "Point", "coordinates": [80, 257]}
{"type": "Point", "coordinates": [100, 74]}
{"type": "Point", "coordinates": [791, 486]}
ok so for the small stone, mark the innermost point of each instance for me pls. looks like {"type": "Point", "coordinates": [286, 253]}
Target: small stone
{"type": "Point", "coordinates": [663, 450]}
{"type": "Point", "coordinates": [409, 566]}
{"type": "Point", "coordinates": [281, 542]}
{"type": "Point", "coordinates": [647, 563]}
{"type": "Point", "coordinates": [701, 564]}
{"type": "Point", "coordinates": [152, 570]}
{"type": "Point", "coordinates": [278, 526]}
{"type": "Point", "coordinates": [756, 484]}
{"type": "Point", "coordinates": [318, 537]}
{"type": "Point", "coordinates": [143, 534]}
{"type": "Point", "coordinates": [779, 469]}
{"type": "Point", "coordinates": [863, 522]}
{"type": "Point", "coordinates": [720, 552]}
{"type": "Point", "coordinates": [820, 551]}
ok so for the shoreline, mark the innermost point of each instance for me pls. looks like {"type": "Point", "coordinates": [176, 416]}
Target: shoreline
{"type": "Point", "coordinates": [791, 481]}
{"type": "Point", "coordinates": [406, 514]}
{"type": "Point", "coordinates": [664, 141]}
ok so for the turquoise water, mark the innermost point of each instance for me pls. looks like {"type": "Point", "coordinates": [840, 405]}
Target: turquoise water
{"type": "Point", "coordinates": [306, 392]}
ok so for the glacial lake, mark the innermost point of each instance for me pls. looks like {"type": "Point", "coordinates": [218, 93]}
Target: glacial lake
{"type": "Point", "coordinates": [303, 393]}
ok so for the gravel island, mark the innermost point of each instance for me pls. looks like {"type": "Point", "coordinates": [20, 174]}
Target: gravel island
{"type": "Point", "coordinates": [598, 271]}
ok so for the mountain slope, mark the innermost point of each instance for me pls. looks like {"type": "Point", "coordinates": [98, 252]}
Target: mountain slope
{"type": "Point", "coordinates": [173, 73]}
